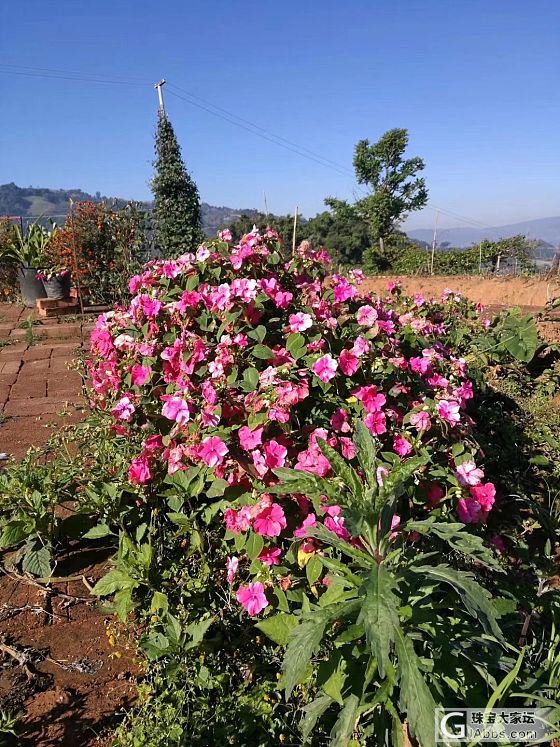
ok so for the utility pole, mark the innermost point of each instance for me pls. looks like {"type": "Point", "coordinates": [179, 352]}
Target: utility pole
{"type": "Point", "coordinates": [265, 205]}
{"type": "Point", "coordinates": [295, 228]}
{"type": "Point", "coordinates": [434, 241]}
{"type": "Point", "coordinates": [158, 87]}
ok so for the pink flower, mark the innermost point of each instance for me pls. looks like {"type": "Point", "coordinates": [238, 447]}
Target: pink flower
{"type": "Point", "coordinates": [139, 471]}
{"type": "Point", "coordinates": [325, 367]}
{"type": "Point", "coordinates": [270, 521]}
{"type": "Point", "coordinates": [225, 235]}
{"type": "Point", "coordinates": [339, 421]}
{"type": "Point", "coordinates": [468, 473]}
{"type": "Point", "coordinates": [252, 597]}
{"type": "Point", "coordinates": [124, 409]}
{"type": "Point", "coordinates": [212, 451]}
{"type": "Point", "coordinates": [448, 410]}
{"type": "Point", "coordinates": [312, 460]}
{"type": "Point", "coordinates": [275, 454]}
{"type": "Point", "coordinates": [366, 316]}
{"type": "Point", "coordinates": [238, 521]}
{"type": "Point", "coordinates": [371, 400]}
{"type": "Point", "coordinates": [347, 448]}
{"type": "Point", "coordinates": [335, 523]}
{"type": "Point", "coordinates": [140, 375]}
{"type": "Point", "coordinates": [309, 521]}
{"type": "Point", "coordinates": [270, 556]}
{"type": "Point", "coordinates": [175, 408]}
{"type": "Point", "coordinates": [376, 423]}
{"type": "Point", "coordinates": [421, 421]}
{"type": "Point", "coordinates": [249, 439]}
{"type": "Point", "coordinates": [380, 475]}
{"type": "Point", "coordinates": [484, 494]}
{"type": "Point", "coordinates": [434, 493]}
{"type": "Point", "coordinates": [360, 346]}
{"type": "Point", "coordinates": [348, 363]}
{"type": "Point", "coordinates": [497, 542]}
{"type": "Point", "coordinates": [300, 322]}
{"type": "Point", "coordinates": [232, 564]}
{"type": "Point", "coordinates": [402, 446]}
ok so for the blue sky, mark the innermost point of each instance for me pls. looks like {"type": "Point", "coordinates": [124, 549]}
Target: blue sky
{"type": "Point", "coordinates": [475, 82]}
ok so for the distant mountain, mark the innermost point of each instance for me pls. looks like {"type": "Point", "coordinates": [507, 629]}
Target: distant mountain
{"type": "Point", "coordinates": [54, 203]}
{"type": "Point", "coordinates": [545, 229]}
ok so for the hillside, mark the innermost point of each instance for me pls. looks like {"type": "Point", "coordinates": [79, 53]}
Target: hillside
{"type": "Point", "coordinates": [545, 229]}
{"type": "Point", "coordinates": [54, 203]}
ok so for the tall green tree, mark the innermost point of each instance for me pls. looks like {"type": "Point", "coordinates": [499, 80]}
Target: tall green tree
{"type": "Point", "coordinates": [176, 200]}
{"type": "Point", "coordinates": [395, 187]}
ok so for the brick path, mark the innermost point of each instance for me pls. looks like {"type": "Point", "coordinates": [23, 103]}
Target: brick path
{"type": "Point", "coordinates": [36, 385]}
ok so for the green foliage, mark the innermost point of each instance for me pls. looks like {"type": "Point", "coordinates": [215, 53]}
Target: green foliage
{"type": "Point", "coordinates": [177, 214]}
{"type": "Point", "coordinates": [396, 188]}
{"type": "Point", "coordinates": [28, 248]}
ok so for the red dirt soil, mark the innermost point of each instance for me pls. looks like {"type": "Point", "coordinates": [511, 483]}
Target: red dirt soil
{"type": "Point", "coordinates": [80, 680]}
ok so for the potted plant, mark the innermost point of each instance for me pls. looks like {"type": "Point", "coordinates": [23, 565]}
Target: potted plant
{"type": "Point", "coordinates": [28, 251]}
{"type": "Point", "coordinates": [56, 281]}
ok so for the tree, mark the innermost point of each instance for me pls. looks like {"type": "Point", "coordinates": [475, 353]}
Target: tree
{"type": "Point", "coordinates": [177, 204]}
{"type": "Point", "coordinates": [396, 190]}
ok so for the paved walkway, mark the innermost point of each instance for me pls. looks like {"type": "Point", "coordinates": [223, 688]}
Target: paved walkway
{"type": "Point", "coordinates": [37, 384]}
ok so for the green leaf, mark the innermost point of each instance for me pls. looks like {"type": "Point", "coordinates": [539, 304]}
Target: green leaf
{"type": "Point", "coordinates": [365, 450]}
{"type": "Point", "coordinates": [263, 352]}
{"type": "Point", "coordinates": [159, 602]}
{"type": "Point", "coordinates": [470, 545]}
{"type": "Point", "coordinates": [476, 599]}
{"type": "Point", "coordinates": [111, 582]}
{"type": "Point", "coordinates": [254, 545]}
{"type": "Point", "coordinates": [197, 630]}
{"type": "Point", "coordinates": [520, 337]}
{"type": "Point", "coordinates": [305, 641]}
{"type": "Point", "coordinates": [342, 469]}
{"type": "Point", "coordinates": [415, 697]}
{"type": "Point", "coordinates": [180, 519]}
{"type": "Point", "coordinates": [258, 334]}
{"type": "Point", "coordinates": [379, 615]}
{"type": "Point", "coordinates": [313, 712]}
{"type": "Point", "coordinates": [217, 488]}
{"type": "Point", "coordinates": [12, 534]}
{"type": "Point", "coordinates": [123, 603]}
{"type": "Point", "coordinates": [296, 346]}
{"type": "Point", "coordinates": [331, 676]}
{"type": "Point", "coordinates": [330, 538]}
{"type": "Point", "coordinates": [37, 560]}
{"type": "Point", "coordinates": [313, 569]}
{"type": "Point", "coordinates": [250, 379]}
{"type": "Point", "coordinates": [346, 722]}
{"type": "Point", "coordinates": [98, 531]}
{"type": "Point", "coordinates": [278, 627]}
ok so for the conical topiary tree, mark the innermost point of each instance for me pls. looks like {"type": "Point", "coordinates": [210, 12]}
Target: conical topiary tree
{"type": "Point", "coordinates": [177, 215]}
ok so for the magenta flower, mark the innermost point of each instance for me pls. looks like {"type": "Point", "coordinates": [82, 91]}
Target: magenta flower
{"type": "Point", "coordinates": [369, 397]}
{"type": "Point", "coordinates": [249, 439]}
{"type": "Point", "coordinates": [139, 471]}
{"type": "Point", "coordinates": [252, 597]}
{"type": "Point", "coordinates": [339, 421]}
{"type": "Point", "coordinates": [484, 494]}
{"type": "Point", "coordinates": [325, 367]}
{"type": "Point", "coordinates": [270, 521]}
{"type": "Point", "coordinates": [300, 322]}
{"type": "Point", "coordinates": [270, 556]}
{"type": "Point", "coordinates": [402, 446]}
{"type": "Point", "coordinates": [175, 408]}
{"type": "Point", "coordinates": [448, 410]}
{"type": "Point", "coordinates": [468, 473]}
{"type": "Point", "coordinates": [309, 521]}
{"type": "Point", "coordinates": [212, 451]}
{"type": "Point", "coordinates": [140, 375]}
{"type": "Point", "coordinates": [376, 422]}
{"type": "Point", "coordinates": [348, 362]}
{"type": "Point", "coordinates": [275, 454]}
{"type": "Point", "coordinates": [238, 521]}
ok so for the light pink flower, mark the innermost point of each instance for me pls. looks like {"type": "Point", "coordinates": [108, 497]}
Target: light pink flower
{"type": "Point", "coordinates": [212, 451]}
{"type": "Point", "coordinates": [366, 316]}
{"type": "Point", "coordinates": [225, 235]}
{"type": "Point", "coordinates": [300, 322]}
{"type": "Point", "coordinates": [252, 597]}
{"type": "Point", "coordinates": [376, 422]}
{"type": "Point", "coordinates": [270, 521]}
{"type": "Point", "coordinates": [175, 408]}
{"type": "Point", "coordinates": [468, 473]}
{"type": "Point", "coordinates": [325, 367]}
{"type": "Point", "coordinates": [448, 410]}
{"type": "Point", "coordinates": [124, 409]}
{"type": "Point", "coordinates": [238, 521]}
{"type": "Point", "coordinates": [232, 564]}
{"type": "Point", "coordinates": [249, 439]}
{"type": "Point", "coordinates": [421, 420]}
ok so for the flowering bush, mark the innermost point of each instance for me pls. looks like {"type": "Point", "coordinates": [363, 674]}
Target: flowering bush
{"type": "Point", "coordinates": [239, 362]}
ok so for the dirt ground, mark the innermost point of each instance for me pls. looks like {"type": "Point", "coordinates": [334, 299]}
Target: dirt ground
{"type": "Point", "coordinates": [76, 679]}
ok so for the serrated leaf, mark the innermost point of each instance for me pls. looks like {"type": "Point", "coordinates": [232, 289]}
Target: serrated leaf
{"type": "Point", "coordinates": [180, 519]}
{"type": "Point", "coordinates": [415, 697]}
{"type": "Point", "coordinates": [476, 599]}
{"type": "Point", "coordinates": [12, 534]}
{"type": "Point", "coordinates": [342, 469]}
{"type": "Point", "coordinates": [379, 615]}
{"type": "Point", "coordinates": [346, 722]}
{"type": "Point", "coordinates": [111, 582]}
{"type": "Point", "coordinates": [217, 488]}
{"type": "Point", "coordinates": [37, 560]}
{"type": "Point", "coordinates": [278, 627]}
{"type": "Point", "coordinates": [313, 712]}
{"type": "Point", "coordinates": [330, 538]}
{"type": "Point", "coordinates": [331, 676]}
{"type": "Point", "coordinates": [251, 379]}
{"type": "Point", "coordinates": [365, 450]}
